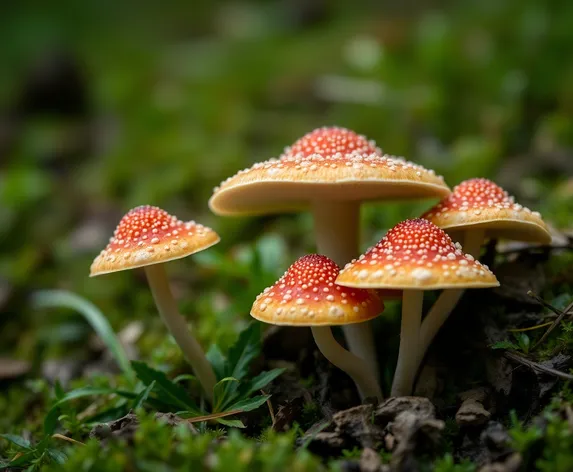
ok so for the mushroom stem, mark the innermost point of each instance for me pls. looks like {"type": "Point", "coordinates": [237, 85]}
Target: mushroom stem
{"type": "Point", "coordinates": [409, 338]}
{"type": "Point", "coordinates": [355, 367]}
{"type": "Point", "coordinates": [178, 327]}
{"type": "Point", "coordinates": [447, 300]}
{"type": "Point", "coordinates": [336, 226]}
{"type": "Point", "coordinates": [473, 240]}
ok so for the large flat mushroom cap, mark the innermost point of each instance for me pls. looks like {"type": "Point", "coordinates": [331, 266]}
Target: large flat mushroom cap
{"type": "Point", "coordinates": [481, 204]}
{"type": "Point", "coordinates": [416, 255]}
{"type": "Point", "coordinates": [332, 164]}
{"type": "Point", "coordinates": [149, 235]}
{"type": "Point", "coordinates": [306, 295]}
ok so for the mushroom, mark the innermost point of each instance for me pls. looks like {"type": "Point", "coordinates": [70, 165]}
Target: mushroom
{"type": "Point", "coordinates": [414, 256]}
{"type": "Point", "coordinates": [330, 171]}
{"type": "Point", "coordinates": [306, 295]}
{"type": "Point", "coordinates": [477, 209]}
{"type": "Point", "coordinates": [148, 236]}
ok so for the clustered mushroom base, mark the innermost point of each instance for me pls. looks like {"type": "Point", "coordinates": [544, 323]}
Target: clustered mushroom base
{"type": "Point", "coordinates": [332, 171]}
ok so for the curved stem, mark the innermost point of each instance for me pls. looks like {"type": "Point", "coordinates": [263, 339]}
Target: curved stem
{"type": "Point", "coordinates": [435, 318]}
{"type": "Point", "coordinates": [337, 230]}
{"type": "Point", "coordinates": [409, 339]}
{"type": "Point", "coordinates": [355, 367]}
{"type": "Point", "coordinates": [178, 328]}
{"type": "Point", "coordinates": [447, 300]}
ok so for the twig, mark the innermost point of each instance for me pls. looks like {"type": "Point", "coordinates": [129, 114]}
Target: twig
{"type": "Point", "coordinates": [536, 366]}
{"type": "Point", "coordinates": [65, 438]}
{"type": "Point", "coordinates": [542, 302]}
{"type": "Point", "coordinates": [271, 410]}
{"type": "Point", "coordinates": [213, 416]}
{"type": "Point", "coordinates": [530, 328]}
{"type": "Point", "coordinates": [558, 320]}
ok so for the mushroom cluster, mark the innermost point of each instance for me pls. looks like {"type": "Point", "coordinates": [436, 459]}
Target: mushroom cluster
{"type": "Point", "coordinates": [330, 172]}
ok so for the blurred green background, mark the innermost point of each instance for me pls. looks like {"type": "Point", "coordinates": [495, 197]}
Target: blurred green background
{"type": "Point", "coordinates": [105, 106]}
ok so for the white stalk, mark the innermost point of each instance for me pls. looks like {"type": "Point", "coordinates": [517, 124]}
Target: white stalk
{"type": "Point", "coordinates": [448, 299]}
{"type": "Point", "coordinates": [337, 230]}
{"type": "Point", "coordinates": [409, 341]}
{"type": "Point", "coordinates": [355, 367]}
{"type": "Point", "coordinates": [178, 327]}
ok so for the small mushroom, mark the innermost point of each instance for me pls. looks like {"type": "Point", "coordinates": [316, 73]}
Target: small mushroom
{"type": "Point", "coordinates": [306, 295]}
{"type": "Point", "coordinates": [329, 171]}
{"type": "Point", "coordinates": [414, 256]}
{"type": "Point", "coordinates": [477, 209]}
{"type": "Point", "coordinates": [148, 236]}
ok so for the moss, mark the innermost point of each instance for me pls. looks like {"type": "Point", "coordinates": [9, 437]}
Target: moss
{"type": "Point", "coordinates": [159, 447]}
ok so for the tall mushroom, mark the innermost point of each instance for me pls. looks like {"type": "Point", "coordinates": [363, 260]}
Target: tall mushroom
{"type": "Point", "coordinates": [329, 171]}
{"type": "Point", "coordinates": [147, 237]}
{"type": "Point", "coordinates": [306, 295]}
{"type": "Point", "coordinates": [477, 209]}
{"type": "Point", "coordinates": [414, 256]}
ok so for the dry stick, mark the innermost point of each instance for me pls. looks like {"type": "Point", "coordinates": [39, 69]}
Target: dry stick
{"type": "Point", "coordinates": [561, 314]}
{"type": "Point", "coordinates": [271, 410]}
{"type": "Point", "coordinates": [536, 366]}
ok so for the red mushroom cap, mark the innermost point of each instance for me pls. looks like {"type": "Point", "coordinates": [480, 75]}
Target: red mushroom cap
{"type": "Point", "coordinates": [331, 141]}
{"type": "Point", "coordinates": [480, 203]}
{"type": "Point", "coordinates": [416, 254]}
{"type": "Point", "coordinates": [149, 235]}
{"type": "Point", "coordinates": [307, 295]}
{"type": "Point", "coordinates": [328, 164]}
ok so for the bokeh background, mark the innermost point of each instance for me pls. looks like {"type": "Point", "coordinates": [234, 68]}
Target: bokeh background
{"type": "Point", "coordinates": [109, 105]}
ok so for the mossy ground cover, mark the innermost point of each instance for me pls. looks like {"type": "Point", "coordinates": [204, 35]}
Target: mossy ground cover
{"type": "Point", "coordinates": [106, 109]}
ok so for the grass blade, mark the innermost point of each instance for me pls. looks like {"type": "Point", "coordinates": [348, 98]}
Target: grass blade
{"type": "Point", "coordinates": [92, 314]}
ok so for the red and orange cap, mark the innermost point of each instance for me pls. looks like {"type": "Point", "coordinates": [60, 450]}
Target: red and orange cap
{"type": "Point", "coordinates": [307, 295]}
{"type": "Point", "coordinates": [480, 203]}
{"type": "Point", "coordinates": [416, 254]}
{"type": "Point", "coordinates": [149, 235]}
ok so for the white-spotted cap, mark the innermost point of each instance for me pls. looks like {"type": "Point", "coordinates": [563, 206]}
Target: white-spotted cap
{"type": "Point", "coordinates": [307, 295]}
{"type": "Point", "coordinates": [418, 255]}
{"type": "Point", "coordinates": [328, 163]}
{"type": "Point", "coordinates": [149, 235]}
{"type": "Point", "coordinates": [482, 204]}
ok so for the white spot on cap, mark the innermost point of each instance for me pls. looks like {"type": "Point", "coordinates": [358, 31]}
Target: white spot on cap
{"type": "Point", "coordinates": [421, 275]}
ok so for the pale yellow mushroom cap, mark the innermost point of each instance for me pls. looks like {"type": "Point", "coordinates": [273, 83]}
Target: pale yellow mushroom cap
{"type": "Point", "coordinates": [333, 164]}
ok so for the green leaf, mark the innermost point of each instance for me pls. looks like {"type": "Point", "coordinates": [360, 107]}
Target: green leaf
{"type": "Point", "coordinates": [17, 440]}
{"type": "Point", "coordinates": [262, 380]}
{"type": "Point", "coordinates": [171, 393]}
{"type": "Point", "coordinates": [242, 353]}
{"type": "Point", "coordinates": [505, 345]}
{"type": "Point", "coordinates": [59, 391]}
{"type": "Point", "coordinates": [249, 404]}
{"type": "Point", "coordinates": [51, 419]}
{"type": "Point", "coordinates": [220, 392]}
{"type": "Point", "coordinates": [98, 321]}
{"type": "Point", "coordinates": [142, 396]}
{"type": "Point", "coordinates": [57, 456]}
{"type": "Point", "coordinates": [182, 377]}
{"type": "Point", "coordinates": [217, 361]}
{"type": "Point", "coordinates": [247, 388]}
{"type": "Point", "coordinates": [109, 414]}
{"type": "Point", "coordinates": [523, 340]}
{"type": "Point", "coordinates": [231, 423]}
